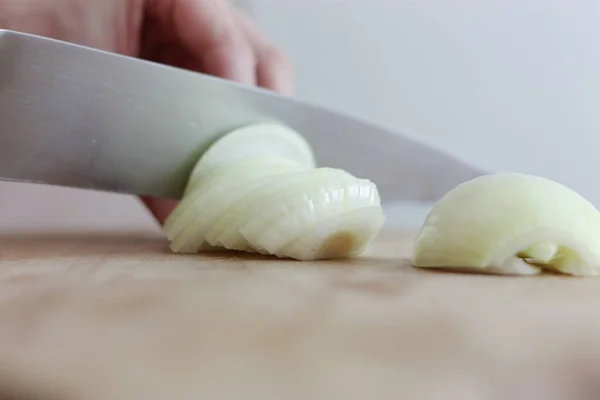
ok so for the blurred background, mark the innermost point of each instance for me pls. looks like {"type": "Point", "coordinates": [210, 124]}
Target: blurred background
{"type": "Point", "coordinates": [506, 85]}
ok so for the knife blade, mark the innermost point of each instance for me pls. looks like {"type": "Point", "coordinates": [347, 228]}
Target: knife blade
{"type": "Point", "coordinates": [80, 117]}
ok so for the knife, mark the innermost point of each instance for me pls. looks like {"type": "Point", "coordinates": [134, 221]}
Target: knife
{"type": "Point", "coordinates": [79, 117]}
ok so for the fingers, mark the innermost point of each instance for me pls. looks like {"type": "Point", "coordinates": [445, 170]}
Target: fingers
{"type": "Point", "coordinates": [234, 61]}
{"type": "Point", "coordinates": [273, 70]}
{"type": "Point", "coordinates": [229, 46]}
{"type": "Point", "coordinates": [208, 29]}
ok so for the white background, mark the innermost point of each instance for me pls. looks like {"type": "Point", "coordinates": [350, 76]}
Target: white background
{"type": "Point", "coordinates": [506, 84]}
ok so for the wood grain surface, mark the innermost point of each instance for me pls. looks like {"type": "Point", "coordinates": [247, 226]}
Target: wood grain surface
{"type": "Point", "coordinates": [114, 315]}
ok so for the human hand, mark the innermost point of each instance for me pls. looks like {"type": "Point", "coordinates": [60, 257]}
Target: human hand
{"type": "Point", "coordinates": [202, 35]}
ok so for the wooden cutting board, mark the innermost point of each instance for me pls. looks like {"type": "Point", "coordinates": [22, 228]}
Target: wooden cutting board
{"type": "Point", "coordinates": [114, 315]}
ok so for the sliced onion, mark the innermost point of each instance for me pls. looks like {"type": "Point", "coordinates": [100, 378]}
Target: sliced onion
{"type": "Point", "coordinates": [511, 223]}
{"type": "Point", "coordinates": [257, 190]}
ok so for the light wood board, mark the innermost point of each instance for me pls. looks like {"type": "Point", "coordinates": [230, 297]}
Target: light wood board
{"type": "Point", "coordinates": [114, 315]}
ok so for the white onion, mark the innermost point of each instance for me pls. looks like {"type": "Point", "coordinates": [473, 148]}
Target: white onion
{"type": "Point", "coordinates": [257, 190]}
{"type": "Point", "coordinates": [511, 223]}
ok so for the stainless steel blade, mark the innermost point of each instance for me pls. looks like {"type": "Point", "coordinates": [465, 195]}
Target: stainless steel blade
{"type": "Point", "coordinates": [79, 117]}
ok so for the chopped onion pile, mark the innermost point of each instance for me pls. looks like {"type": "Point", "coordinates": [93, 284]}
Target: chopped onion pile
{"type": "Point", "coordinates": [511, 223]}
{"type": "Point", "coordinates": [257, 190]}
